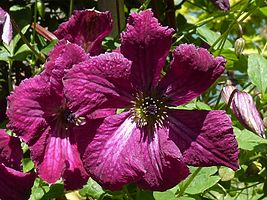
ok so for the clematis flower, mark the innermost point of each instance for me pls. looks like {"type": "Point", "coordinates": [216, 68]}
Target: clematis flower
{"type": "Point", "coordinates": [86, 28]}
{"type": "Point", "coordinates": [222, 4]}
{"type": "Point", "coordinates": [14, 183]}
{"type": "Point", "coordinates": [5, 26]}
{"type": "Point", "coordinates": [150, 143]}
{"type": "Point", "coordinates": [39, 114]}
{"type": "Point", "coordinates": [244, 109]}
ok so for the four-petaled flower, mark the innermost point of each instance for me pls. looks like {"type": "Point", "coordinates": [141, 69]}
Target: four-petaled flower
{"type": "Point", "coordinates": [152, 142]}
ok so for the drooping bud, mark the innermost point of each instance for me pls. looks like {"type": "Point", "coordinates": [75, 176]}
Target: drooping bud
{"type": "Point", "coordinates": [5, 26]}
{"type": "Point", "coordinates": [244, 109]}
{"type": "Point", "coordinates": [239, 46]}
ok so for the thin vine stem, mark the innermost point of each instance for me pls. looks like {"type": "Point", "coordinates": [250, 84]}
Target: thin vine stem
{"type": "Point", "coordinates": [188, 182]}
{"type": "Point", "coordinates": [39, 55]}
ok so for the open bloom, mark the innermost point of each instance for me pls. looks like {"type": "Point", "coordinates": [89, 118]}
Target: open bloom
{"type": "Point", "coordinates": [39, 113]}
{"type": "Point", "coordinates": [14, 183]}
{"type": "Point", "coordinates": [5, 26]}
{"type": "Point", "coordinates": [150, 143]}
{"type": "Point", "coordinates": [244, 109]}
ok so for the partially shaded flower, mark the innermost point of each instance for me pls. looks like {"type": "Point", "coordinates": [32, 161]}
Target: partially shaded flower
{"type": "Point", "coordinates": [14, 183]}
{"type": "Point", "coordinates": [39, 114]}
{"type": "Point", "coordinates": [244, 109]}
{"type": "Point", "coordinates": [150, 143]}
{"type": "Point", "coordinates": [222, 4]}
{"type": "Point", "coordinates": [86, 28]}
{"type": "Point", "coordinates": [5, 26]}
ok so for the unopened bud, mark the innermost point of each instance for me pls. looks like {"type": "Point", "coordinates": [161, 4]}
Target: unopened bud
{"type": "Point", "coordinates": [239, 46]}
{"type": "Point", "coordinates": [244, 109]}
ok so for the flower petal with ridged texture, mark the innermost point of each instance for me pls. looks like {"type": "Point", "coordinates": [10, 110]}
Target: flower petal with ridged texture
{"type": "Point", "coordinates": [56, 155]}
{"type": "Point", "coordinates": [70, 54]}
{"type": "Point", "coordinates": [10, 151]}
{"type": "Point", "coordinates": [163, 162]}
{"type": "Point", "coordinates": [30, 106]}
{"type": "Point", "coordinates": [14, 184]}
{"type": "Point", "coordinates": [147, 44]}
{"type": "Point", "coordinates": [101, 82]}
{"type": "Point", "coordinates": [205, 138]}
{"type": "Point", "coordinates": [192, 71]}
{"type": "Point", "coordinates": [87, 29]}
{"type": "Point", "coordinates": [114, 157]}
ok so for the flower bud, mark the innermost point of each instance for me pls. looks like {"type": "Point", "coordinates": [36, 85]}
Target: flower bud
{"type": "Point", "coordinates": [245, 110]}
{"type": "Point", "coordinates": [5, 26]}
{"type": "Point", "coordinates": [239, 46]}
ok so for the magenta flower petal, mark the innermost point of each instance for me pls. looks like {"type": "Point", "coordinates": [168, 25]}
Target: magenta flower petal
{"type": "Point", "coordinates": [10, 151]}
{"type": "Point", "coordinates": [60, 157]}
{"type": "Point", "coordinates": [222, 4]}
{"type": "Point", "coordinates": [147, 44]}
{"type": "Point", "coordinates": [192, 71]}
{"type": "Point", "coordinates": [87, 29]}
{"type": "Point", "coordinates": [14, 184]}
{"type": "Point", "coordinates": [63, 58]}
{"type": "Point", "coordinates": [5, 26]}
{"type": "Point", "coordinates": [121, 153]}
{"type": "Point", "coordinates": [28, 106]}
{"type": "Point", "coordinates": [42, 119]}
{"type": "Point", "coordinates": [114, 157]}
{"type": "Point", "coordinates": [204, 137]}
{"type": "Point", "coordinates": [163, 161]}
{"type": "Point", "coordinates": [103, 78]}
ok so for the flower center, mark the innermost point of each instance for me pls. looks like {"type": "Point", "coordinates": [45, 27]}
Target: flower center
{"type": "Point", "coordinates": [67, 118]}
{"type": "Point", "coordinates": [149, 111]}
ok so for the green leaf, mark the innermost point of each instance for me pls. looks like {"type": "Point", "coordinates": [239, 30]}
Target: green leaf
{"type": "Point", "coordinates": [92, 189]}
{"type": "Point", "coordinates": [204, 180]}
{"type": "Point", "coordinates": [4, 54]}
{"type": "Point", "coordinates": [22, 53]}
{"type": "Point", "coordinates": [226, 173]}
{"type": "Point", "coordinates": [27, 165]}
{"type": "Point", "coordinates": [49, 47]}
{"type": "Point", "coordinates": [247, 140]}
{"type": "Point", "coordinates": [210, 37]}
{"type": "Point", "coordinates": [257, 70]}
{"type": "Point", "coordinates": [164, 195]}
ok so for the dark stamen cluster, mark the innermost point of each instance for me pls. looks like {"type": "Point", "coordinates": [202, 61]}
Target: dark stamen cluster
{"type": "Point", "coordinates": [149, 111]}
{"type": "Point", "coordinates": [68, 118]}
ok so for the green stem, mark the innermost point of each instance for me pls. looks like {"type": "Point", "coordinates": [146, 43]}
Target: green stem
{"type": "Point", "coordinates": [225, 34]}
{"type": "Point", "coordinates": [187, 183]}
{"type": "Point", "coordinates": [262, 52]}
{"type": "Point", "coordinates": [71, 7]}
{"type": "Point", "coordinates": [144, 5]}
{"type": "Point", "coordinates": [10, 85]}
{"type": "Point", "coordinates": [39, 55]}
{"type": "Point", "coordinates": [34, 22]}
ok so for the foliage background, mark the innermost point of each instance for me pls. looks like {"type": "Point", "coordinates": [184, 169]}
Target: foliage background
{"type": "Point", "coordinates": [195, 21]}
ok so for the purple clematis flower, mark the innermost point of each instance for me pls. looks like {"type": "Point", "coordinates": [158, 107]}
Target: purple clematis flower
{"type": "Point", "coordinates": [5, 26]}
{"type": "Point", "coordinates": [39, 112]}
{"type": "Point", "coordinates": [14, 184]}
{"type": "Point", "coordinates": [151, 143]}
{"type": "Point", "coordinates": [86, 28]}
